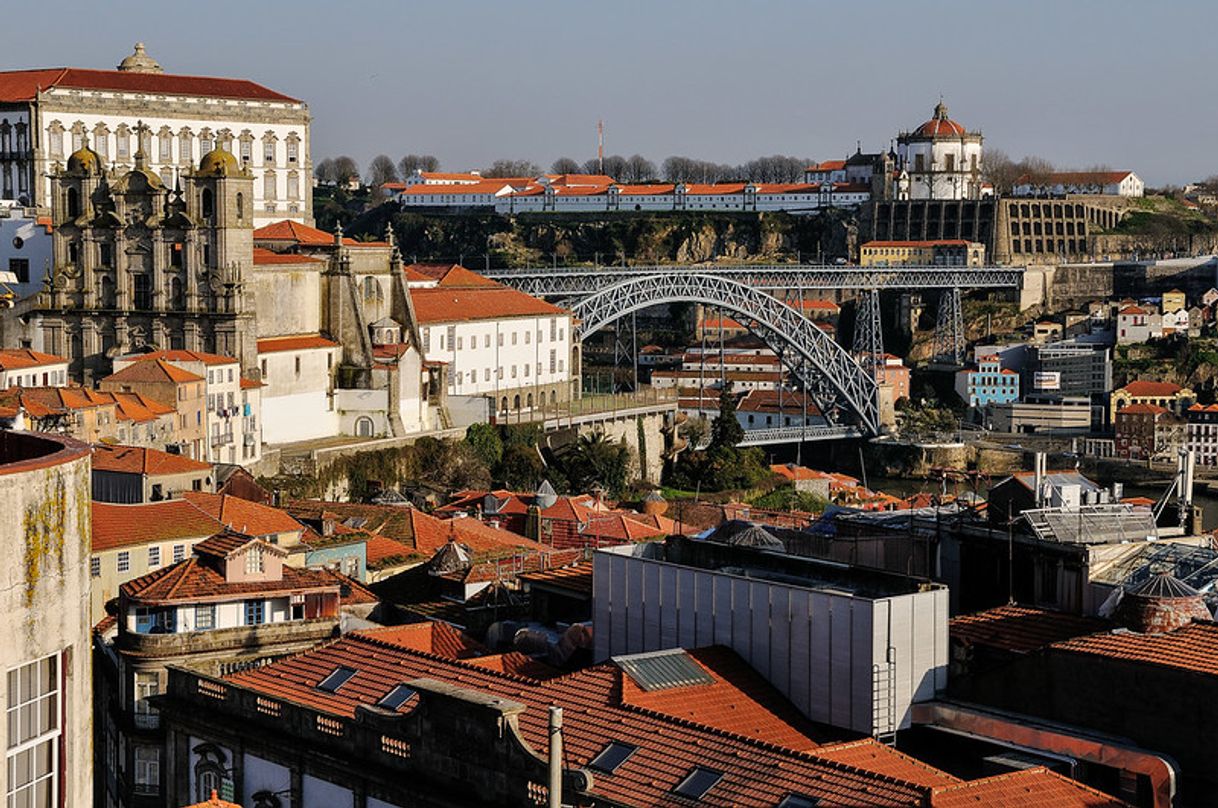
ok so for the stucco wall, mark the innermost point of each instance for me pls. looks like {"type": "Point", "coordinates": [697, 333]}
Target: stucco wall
{"type": "Point", "coordinates": [44, 586]}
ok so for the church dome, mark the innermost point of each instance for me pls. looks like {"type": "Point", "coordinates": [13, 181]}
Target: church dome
{"type": "Point", "coordinates": [219, 163]}
{"type": "Point", "coordinates": [940, 125]}
{"type": "Point", "coordinates": [140, 62]}
{"type": "Point", "coordinates": [84, 161]}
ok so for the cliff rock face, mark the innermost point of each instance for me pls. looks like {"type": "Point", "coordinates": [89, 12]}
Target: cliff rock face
{"type": "Point", "coordinates": [637, 238]}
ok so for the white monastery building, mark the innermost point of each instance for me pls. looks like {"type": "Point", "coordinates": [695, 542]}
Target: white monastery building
{"type": "Point", "coordinates": [495, 341]}
{"type": "Point", "coordinates": [48, 114]}
{"type": "Point", "coordinates": [939, 160]}
{"type": "Point", "coordinates": [1094, 183]}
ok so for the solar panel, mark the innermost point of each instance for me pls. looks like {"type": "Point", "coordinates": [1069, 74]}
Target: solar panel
{"type": "Point", "coordinates": [396, 698]}
{"type": "Point", "coordinates": [612, 756]}
{"type": "Point", "coordinates": [697, 783]}
{"type": "Point", "coordinates": [799, 801]}
{"type": "Point", "coordinates": [661, 670]}
{"type": "Point", "coordinates": [335, 680]}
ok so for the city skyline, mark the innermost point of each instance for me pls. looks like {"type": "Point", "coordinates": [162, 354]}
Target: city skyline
{"type": "Point", "coordinates": [475, 82]}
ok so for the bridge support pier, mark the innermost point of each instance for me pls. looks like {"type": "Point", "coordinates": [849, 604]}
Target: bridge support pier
{"type": "Point", "coordinates": [949, 329]}
{"type": "Point", "coordinates": [868, 331]}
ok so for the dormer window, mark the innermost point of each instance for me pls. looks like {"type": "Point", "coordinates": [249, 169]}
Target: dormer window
{"type": "Point", "coordinates": [254, 562]}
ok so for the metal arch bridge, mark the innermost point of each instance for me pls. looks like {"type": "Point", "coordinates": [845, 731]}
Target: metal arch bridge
{"type": "Point", "coordinates": [791, 434]}
{"type": "Point", "coordinates": [580, 281]}
{"type": "Point", "coordinates": [600, 296]}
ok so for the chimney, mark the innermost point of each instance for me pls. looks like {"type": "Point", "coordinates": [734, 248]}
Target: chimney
{"type": "Point", "coordinates": [555, 784]}
{"type": "Point", "coordinates": [1038, 462]}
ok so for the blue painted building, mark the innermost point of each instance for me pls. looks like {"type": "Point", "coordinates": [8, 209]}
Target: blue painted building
{"type": "Point", "coordinates": [988, 383]}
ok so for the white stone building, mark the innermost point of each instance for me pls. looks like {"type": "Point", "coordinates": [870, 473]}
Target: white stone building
{"type": "Point", "coordinates": [234, 405]}
{"type": "Point", "coordinates": [298, 387]}
{"type": "Point", "coordinates": [21, 367]}
{"type": "Point", "coordinates": [1099, 183]}
{"type": "Point", "coordinates": [939, 160]}
{"type": "Point", "coordinates": [25, 249]}
{"type": "Point", "coordinates": [495, 342]}
{"type": "Point", "coordinates": [46, 115]}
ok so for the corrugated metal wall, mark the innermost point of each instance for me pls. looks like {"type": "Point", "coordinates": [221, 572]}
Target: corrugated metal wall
{"type": "Point", "coordinates": [816, 647]}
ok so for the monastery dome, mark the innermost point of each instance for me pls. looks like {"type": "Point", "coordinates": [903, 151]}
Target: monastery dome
{"type": "Point", "coordinates": [140, 62]}
{"type": "Point", "coordinates": [940, 125]}
{"type": "Point", "coordinates": [219, 162]}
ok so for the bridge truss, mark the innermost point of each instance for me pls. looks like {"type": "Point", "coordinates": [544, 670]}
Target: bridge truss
{"type": "Point", "coordinates": [822, 366]}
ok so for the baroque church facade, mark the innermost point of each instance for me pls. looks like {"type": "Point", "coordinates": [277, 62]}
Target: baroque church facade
{"type": "Point", "coordinates": [139, 266]}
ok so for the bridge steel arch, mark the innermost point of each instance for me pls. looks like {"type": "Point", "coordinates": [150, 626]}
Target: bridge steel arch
{"type": "Point", "coordinates": [816, 358]}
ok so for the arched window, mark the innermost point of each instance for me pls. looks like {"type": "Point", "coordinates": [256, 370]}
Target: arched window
{"type": "Point", "coordinates": [107, 292]}
{"type": "Point", "coordinates": [529, 401]}
{"type": "Point", "coordinates": [240, 206]}
{"type": "Point", "coordinates": [553, 396]}
{"type": "Point", "coordinates": [208, 203]}
{"type": "Point", "coordinates": [503, 405]}
{"type": "Point", "coordinates": [177, 299]}
{"type": "Point", "coordinates": [73, 202]}
{"type": "Point", "coordinates": [516, 401]}
{"type": "Point", "coordinates": [363, 427]}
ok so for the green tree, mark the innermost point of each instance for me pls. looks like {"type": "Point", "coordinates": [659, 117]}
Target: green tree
{"type": "Point", "coordinates": [485, 441]}
{"type": "Point", "coordinates": [521, 468]}
{"type": "Point", "coordinates": [598, 461]}
{"type": "Point", "coordinates": [725, 429]}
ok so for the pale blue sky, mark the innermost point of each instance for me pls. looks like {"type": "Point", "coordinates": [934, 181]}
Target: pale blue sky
{"type": "Point", "coordinates": [1128, 84]}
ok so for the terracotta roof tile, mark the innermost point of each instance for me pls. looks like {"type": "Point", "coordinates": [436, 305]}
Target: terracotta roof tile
{"type": "Point", "coordinates": [433, 637]}
{"type": "Point", "coordinates": [756, 773]}
{"type": "Point", "coordinates": [22, 358]}
{"type": "Point", "coordinates": [138, 460]}
{"type": "Point", "coordinates": [124, 525]}
{"type": "Point", "coordinates": [576, 578]}
{"type": "Point", "coordinates": [193, 580]}
{"type": "Point", "coordinates": [243, 516]}
{"type": "Point", "coordinates": [1145, 389]}
{"type": "Point", "coordinates": [22, 85]}
{"type": "Point", "coordinates": [1021, 629]}
{"type": "Point", "coordinates": [1193, 647]}
{"type": "Point", "coordinates": [1031, 787]}
{"type": "Point", "coordinates": [264, 257]}
{"type": "Point", "coordinates": [297, 342]}
{"type": "Point", "coordinates": [179, 355]}
{"type": "Point", "coordinates": [459, 304]}
{"type": "Point", "coordinates": [156, 370]}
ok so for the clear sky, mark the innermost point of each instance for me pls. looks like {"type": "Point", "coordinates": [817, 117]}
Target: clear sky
{"type": "Point", "coordinates": [1115, 82]}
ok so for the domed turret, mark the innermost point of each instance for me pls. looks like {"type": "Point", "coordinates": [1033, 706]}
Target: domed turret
{"type": "Point", "coordinates": [140, 62]}
{"type": "Point", "coordinates": [219, 163]}
{"type": "Point", "coordinates": [85, 161]}
{"type": "Point", "coordinates": [1161, 603]}
{"type": "Point", "coordinates": [940, 125]}
{"type": "Point", "coordinates": [654, 504]}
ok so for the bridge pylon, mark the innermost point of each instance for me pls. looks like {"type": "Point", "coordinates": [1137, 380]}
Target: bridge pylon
{"type": "Point", "coordinates": [868, 331]}
{"type": "Point", "coordinates": [949, 329]}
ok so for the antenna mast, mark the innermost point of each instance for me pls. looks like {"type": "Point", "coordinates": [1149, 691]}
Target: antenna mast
{"type": "Point", "coordinates": [600, 146]}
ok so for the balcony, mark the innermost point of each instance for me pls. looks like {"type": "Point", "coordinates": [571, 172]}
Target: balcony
{"type": "Point", "coordinates": [229, 640]}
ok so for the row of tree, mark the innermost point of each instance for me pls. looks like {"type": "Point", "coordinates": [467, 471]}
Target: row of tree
{"type": "Point", "coordinates": [1005, 173]}
{"type": "Point", "coordinates": [633, 169]}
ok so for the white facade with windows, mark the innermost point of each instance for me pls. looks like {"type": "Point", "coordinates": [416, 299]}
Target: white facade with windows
{"type": "Point", "coordinates": [507, 358]}
{"type": "Point", "coordinates": [298, 392]}
{"type": "Point", "coordinates": [25, 247]}
{"type": "Point", "coordinates": [233, 409]}
{"type": "Point", "coordinates": [49, 114]}
{"type": "Point", "coordinates": [940, 160]}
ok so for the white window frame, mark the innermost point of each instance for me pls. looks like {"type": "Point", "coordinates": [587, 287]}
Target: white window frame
{"type": "Point", "coordinates": [28, 697]}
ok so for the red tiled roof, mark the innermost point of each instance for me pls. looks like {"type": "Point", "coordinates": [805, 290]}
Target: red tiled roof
{"type": "Point", "coordinates": [22, 358]}
{"type": "Point", "coordinates": [757, 772]}
{"type": "Point", "coordinates": [769, 401]}
{"type": "Point", "coordinates": [828, 165]}
{"type": "Point", "coordinates": [226, 542]}
{"type": "Point", "coordinates": [297, 342]}
{"type": "Point", "coordinates": [193, 580]}
{"type": "Point", "coordinates": [124, 525]}
{"type": "Point", "coordinates": [450, 275]}
{"type": "Point", "coordinates": [432, 637]}
{"type": "Point", "coordinates": [1132, 310]}
{"type": "Point", "coordinates": [137, 460]}
{"type": "Point", "coordinates": [447, 305]}
{"type": "Point", "coordinates": [576, 577]}
{"type": "Point", "coordinates": [1146, 389]}
{"type": "Point", "coordinates": [179, 355]}
{"type": "Point", "coordinates": [940, 127]}
{"type": "Point", "coordinates": [265, 257]}
{"type": "Point", "coordinates": [295, 232]}
{"type": "Point", "coordinates": [870, 755]}
{"type": "Point", "coordinates": [1076, 178]}
{"type": "Point", "coordinates": [250, 384]}
{"type": "Point", "coordinates": [484, 186]}
{"type": "Point", "coordinates": [1021, 629]}
{"type": "Point", "coordinates": [156, 370]}
{"type": "Point", "coordinates": [241, 515]}
{"type": "Point", "coordinates": [23, 85]}
{"type": "Point", "coordinates": [1030, 787]}
{"type": "Point", "coordinates": [1192, 648]}
{"type": "Point", "coordinates": [1142, 409]}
